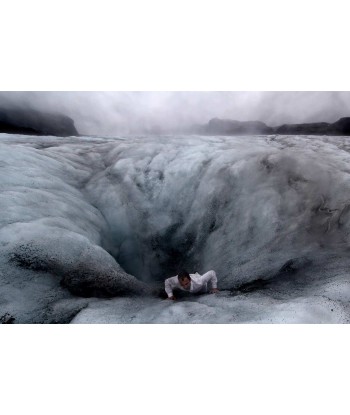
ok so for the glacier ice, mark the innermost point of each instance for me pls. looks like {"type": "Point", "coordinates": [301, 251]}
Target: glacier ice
{"type": "Point", "coordinates": [84, 218]}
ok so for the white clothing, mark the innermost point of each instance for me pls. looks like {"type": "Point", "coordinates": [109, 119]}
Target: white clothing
{"type": "Point", "coordinates": [198, 283]}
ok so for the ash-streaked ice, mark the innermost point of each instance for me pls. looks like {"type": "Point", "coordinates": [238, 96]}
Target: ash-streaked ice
{"type": "Point", "coordinates": [91, 226]}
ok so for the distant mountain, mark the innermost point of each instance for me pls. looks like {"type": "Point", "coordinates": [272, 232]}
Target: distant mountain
{"type": "Point", "coordinates": [32, 122]}
{"type": "Point", "coordinates": [341, 127]}
{"type": "Point", "coordinates": [233, 127]}
{"type": "Point", "coordinates": [319, 128]}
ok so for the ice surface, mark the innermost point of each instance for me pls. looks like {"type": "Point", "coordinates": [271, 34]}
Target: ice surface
{"type": "Point", "coordinates": [220, 308]}
{"type": "Point", "coordinates": [95, 217]}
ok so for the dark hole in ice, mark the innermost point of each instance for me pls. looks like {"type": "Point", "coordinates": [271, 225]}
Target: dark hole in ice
{"type": "Point", "coordinates": [161, 256]}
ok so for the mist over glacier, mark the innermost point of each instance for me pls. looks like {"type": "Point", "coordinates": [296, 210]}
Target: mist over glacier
{"type": "Point", "coordinates": [109, 113]}
{"type": "Point", "coordinates": [90, 227]}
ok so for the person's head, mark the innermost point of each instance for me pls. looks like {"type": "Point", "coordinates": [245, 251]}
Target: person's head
{"type": "Point", "coordinates": [184, 279]}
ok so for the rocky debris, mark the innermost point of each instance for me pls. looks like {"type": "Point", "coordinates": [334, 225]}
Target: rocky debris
{"type": "Point", "coordinates": [7, 319]}
{"type": "Point", "coordinates": [286, 272]}
{"type": "Point", "coordinates": [258, 284]}
{"type": "Point", "coordinates": [32, 122]}
{"type": "Point", "coordinates": [86, 270]}
{"type": "Point", "coordinates": [87, 282]}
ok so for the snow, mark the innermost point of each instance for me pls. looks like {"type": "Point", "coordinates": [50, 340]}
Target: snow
{"type": "Point", "coordinates": [96, 217]}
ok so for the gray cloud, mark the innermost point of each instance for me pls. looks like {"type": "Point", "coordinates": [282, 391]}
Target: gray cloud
{"type": "Point", "coordinates": [111, 113]}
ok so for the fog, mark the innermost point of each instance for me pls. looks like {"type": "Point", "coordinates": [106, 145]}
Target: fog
{"type": "Point", "coordinates": [113, 113]}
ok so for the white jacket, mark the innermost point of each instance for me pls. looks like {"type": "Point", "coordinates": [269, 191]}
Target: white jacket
{"type": "Point", "coordinates": [198, 283]}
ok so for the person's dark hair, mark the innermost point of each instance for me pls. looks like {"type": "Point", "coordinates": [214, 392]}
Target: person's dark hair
{"type": "Point", "coordinates": [183, 274]}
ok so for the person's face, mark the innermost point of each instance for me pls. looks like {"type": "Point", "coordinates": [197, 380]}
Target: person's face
{"type": "Point", "coordinates": [185, 283]}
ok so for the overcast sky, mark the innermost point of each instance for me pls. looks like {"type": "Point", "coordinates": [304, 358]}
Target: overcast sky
{"type": "Point", "coordinates": [111, 113]}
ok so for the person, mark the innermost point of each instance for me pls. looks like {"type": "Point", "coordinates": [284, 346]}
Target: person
{"type": "Point", "coordinates": [193, 283]}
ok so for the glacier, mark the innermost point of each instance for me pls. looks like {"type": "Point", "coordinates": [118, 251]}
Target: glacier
{"type": "Point", "coordinates": [90, 227]}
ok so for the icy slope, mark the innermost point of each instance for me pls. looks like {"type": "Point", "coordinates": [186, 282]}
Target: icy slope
{"type": "Point", "coordinates": [109, 217]}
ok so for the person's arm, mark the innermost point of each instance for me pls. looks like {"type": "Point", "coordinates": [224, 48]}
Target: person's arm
{"type": "Point", "coordinates": [210, 276]}
{"type": "Point", "coordinates": [169, 285]}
